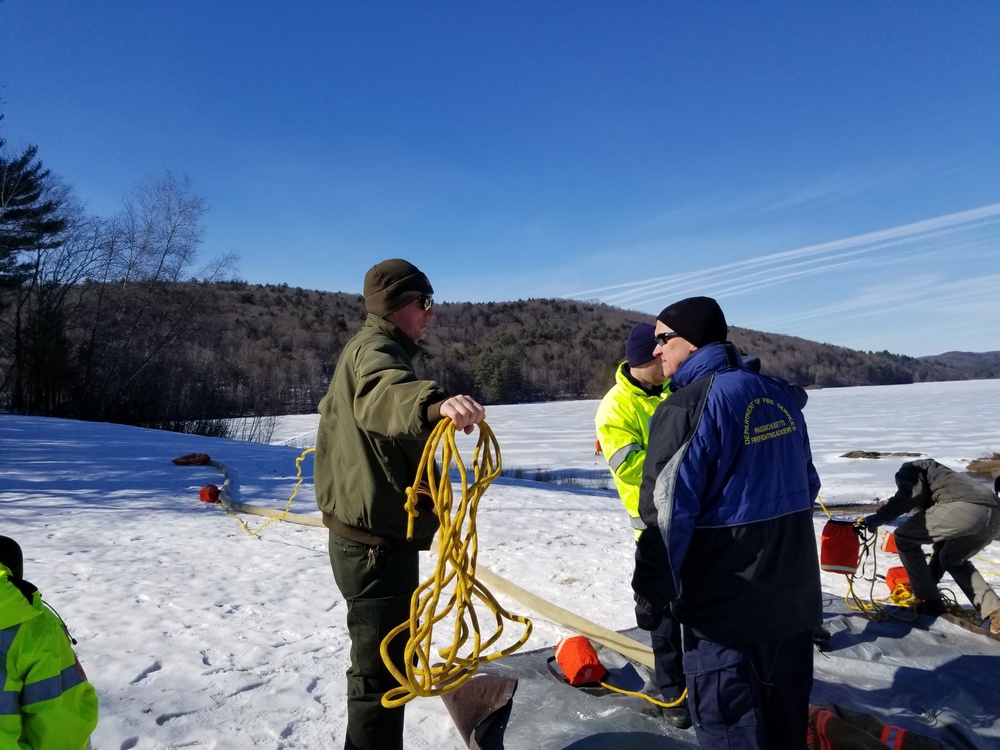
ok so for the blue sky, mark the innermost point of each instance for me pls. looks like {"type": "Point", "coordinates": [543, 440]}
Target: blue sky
{"type": "Point", "coordinates": [827, 170]}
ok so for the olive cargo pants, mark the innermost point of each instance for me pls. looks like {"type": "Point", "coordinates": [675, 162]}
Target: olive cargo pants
{"type": "Point", "coordinates": [377, 583]}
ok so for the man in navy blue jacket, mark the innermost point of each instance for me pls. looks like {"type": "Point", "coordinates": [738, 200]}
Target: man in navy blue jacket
{"type": "Point", "coordinates": [728, 489]}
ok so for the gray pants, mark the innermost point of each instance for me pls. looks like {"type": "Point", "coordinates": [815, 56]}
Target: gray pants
{"type": "Point", "coordinates": [957, 532]}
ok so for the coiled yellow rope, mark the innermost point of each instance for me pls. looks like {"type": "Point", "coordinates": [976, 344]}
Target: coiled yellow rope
{"type": "Point", "coordinates": [458, 547]}
{"type": "Point", "coordinates": [871, 607]}
{"type": "Point", "coordinates": [901, 596]}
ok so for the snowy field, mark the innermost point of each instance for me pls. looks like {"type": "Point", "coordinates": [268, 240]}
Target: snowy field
{"type": "Point", "coordinates": [199, 634]}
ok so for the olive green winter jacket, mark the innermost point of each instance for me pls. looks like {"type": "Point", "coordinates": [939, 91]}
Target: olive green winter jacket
{"type": "Point", "coordinates": [46, 702]}
{"type": "Point", "coordinates": [372, 430]}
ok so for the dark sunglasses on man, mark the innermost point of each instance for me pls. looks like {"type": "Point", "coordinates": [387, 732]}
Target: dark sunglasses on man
{"type": "Point", "coordinates": [663, 338]}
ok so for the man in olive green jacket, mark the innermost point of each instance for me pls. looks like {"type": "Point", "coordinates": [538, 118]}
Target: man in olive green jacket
{"type": "Point", "coordinates": [374, 422]}
{"type": "Point", "coordinates": [46, 702]}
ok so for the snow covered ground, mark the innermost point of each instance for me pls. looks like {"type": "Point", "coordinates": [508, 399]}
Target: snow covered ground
{"type": "Point", "coordinates": [199, 634]}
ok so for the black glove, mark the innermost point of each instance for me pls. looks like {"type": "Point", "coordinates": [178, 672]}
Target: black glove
{"type": "Point", "coordinates": [873, 521]}
{"type": "Point", "coordinates": [647, 615]}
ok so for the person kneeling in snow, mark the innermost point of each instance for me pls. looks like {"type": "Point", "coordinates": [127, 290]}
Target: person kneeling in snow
{"type": "Point", "coordinates": [959, 517]}
{"type": "Point", "coordinates": [46, 702]}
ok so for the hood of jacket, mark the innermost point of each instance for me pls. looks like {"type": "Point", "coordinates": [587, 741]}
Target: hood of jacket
{"type": "Point", "coordinates": [14, 607]}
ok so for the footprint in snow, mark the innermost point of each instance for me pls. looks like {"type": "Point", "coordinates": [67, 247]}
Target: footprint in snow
{"type": "Point", "coordinates": [154, 667]}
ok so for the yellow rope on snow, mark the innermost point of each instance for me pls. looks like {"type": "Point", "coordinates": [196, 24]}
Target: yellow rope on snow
{"type": "Point", "coordinates": [458, 548]}
{"type": "Point", "coordinates": [288, 505]}
{"type": "Point", "coordinates": [486, 471]}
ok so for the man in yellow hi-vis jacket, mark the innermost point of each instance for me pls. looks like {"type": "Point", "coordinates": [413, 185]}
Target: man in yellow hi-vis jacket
{"type": "Point", "coordinates": [622, 424]}
{"type": "Point", "coordinates": [46, 702]}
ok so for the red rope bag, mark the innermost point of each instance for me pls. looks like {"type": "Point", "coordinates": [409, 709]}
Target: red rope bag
{"type": "Point", "coordinates": [840, 549]}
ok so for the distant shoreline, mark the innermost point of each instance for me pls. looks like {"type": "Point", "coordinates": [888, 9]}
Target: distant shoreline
{"type": "Point", "coordinates": [861, 509]}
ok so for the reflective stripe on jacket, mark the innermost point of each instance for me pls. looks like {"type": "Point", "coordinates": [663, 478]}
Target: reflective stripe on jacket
{"type": "Point", "coordinates": [46, 701]}
{"type": "Point", "coordinates": [622, 424]}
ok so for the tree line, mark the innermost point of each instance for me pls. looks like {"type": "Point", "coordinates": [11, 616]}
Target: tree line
{"type": "Point", "coordinates": [113, 319]}
{"type": "Point", "coordinates": [89, 327]}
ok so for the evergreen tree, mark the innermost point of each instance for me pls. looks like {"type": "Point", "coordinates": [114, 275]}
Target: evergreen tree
{"type": "Point", "coordinates": [32, 222]}
{"type": "Point", "coordinates": [31, 219]}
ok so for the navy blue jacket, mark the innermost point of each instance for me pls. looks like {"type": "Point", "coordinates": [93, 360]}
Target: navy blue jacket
{"type": "Point", "coordinates": [729, 484]}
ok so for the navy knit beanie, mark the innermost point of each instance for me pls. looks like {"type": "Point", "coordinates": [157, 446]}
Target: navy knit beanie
{"type": "Point", "coordinates": [393, 283]}
{"type": "Point", "coordinates": [640, 344]}
{"type": "Point", "coordinates": [697, 319]}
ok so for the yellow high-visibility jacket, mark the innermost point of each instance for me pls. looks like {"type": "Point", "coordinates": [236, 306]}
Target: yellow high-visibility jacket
{"type": "Point", "coordinates": [622, 424]}
{"type": "Point", "coordinates": [46, 702]}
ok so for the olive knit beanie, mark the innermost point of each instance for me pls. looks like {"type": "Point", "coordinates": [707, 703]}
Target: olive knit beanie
{"type": "Point", "coordinates": [393, 283]}
{"type": "Point", "coordinates": [697, 319]}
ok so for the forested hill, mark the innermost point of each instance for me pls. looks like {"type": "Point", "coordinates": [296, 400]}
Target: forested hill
{"type": "Point", "coordinates": [546, 349]}
{"type": "Point", "coordinates": [507, 352]}
{"type": "Point", "coordinates": [975, 366]}
{"type": "Point", "coordinates": [169, 355]}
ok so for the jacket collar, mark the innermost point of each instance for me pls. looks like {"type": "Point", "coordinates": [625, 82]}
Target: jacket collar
{"type": "Point", "coordinates": [411, 347]}
{"type": "Point", "coordinates": [626, 374]}
{"type": "Point", "coordinates": [705, 361]}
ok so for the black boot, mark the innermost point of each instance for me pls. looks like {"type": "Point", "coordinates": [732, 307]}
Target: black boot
{"type": "Point", "coordinates": [932, 607]}
{"type": "Point", "coordinates": [678, 716]}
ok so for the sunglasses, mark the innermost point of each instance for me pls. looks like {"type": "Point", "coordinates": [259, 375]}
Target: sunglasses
{"type": "Point", "coordinates": [426, 303]}
{"type": "Point", "coordinates": [663, 338]}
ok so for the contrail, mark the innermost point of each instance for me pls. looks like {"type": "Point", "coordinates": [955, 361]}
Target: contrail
{"type": "Point", "coordinates": [774, 268]}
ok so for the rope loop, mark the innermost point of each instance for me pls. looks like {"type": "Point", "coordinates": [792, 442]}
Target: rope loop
{"type": "Point", "coordinates": [901, 595]}
{"type": "Point", "coordinates": [288, 505]}
{"type": "Point", "coordinates": [455, 570]}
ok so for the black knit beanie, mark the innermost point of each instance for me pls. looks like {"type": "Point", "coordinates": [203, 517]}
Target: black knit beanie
{"type": "Point", "coordinates": [11, 557]}
{"type": "Point", "coordinates": [393, 283]}
{"type": "Point", "coordinates": [697, 319]}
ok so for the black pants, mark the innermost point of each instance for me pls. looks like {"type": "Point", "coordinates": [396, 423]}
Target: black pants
{"type": "Point", "coordinates": [668, 658]}
{"type": "Point", "coordinates": [377, 583]}
{"type": "Point", "coordinates": [652, 590]}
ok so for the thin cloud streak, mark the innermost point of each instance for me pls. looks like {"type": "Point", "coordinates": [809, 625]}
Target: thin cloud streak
{"type": "Point", "coordinates": [836, 186]}
{"type": "Point", "coordinates": [829, 254]}
{"type": "Point", "coordinates": [918, 314]}
{"type": "Point", "coordinates": [925, 294]}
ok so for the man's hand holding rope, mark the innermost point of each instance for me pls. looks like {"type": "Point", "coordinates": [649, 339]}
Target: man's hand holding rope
{"type": "Point", "coordinates": [464, 412]}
